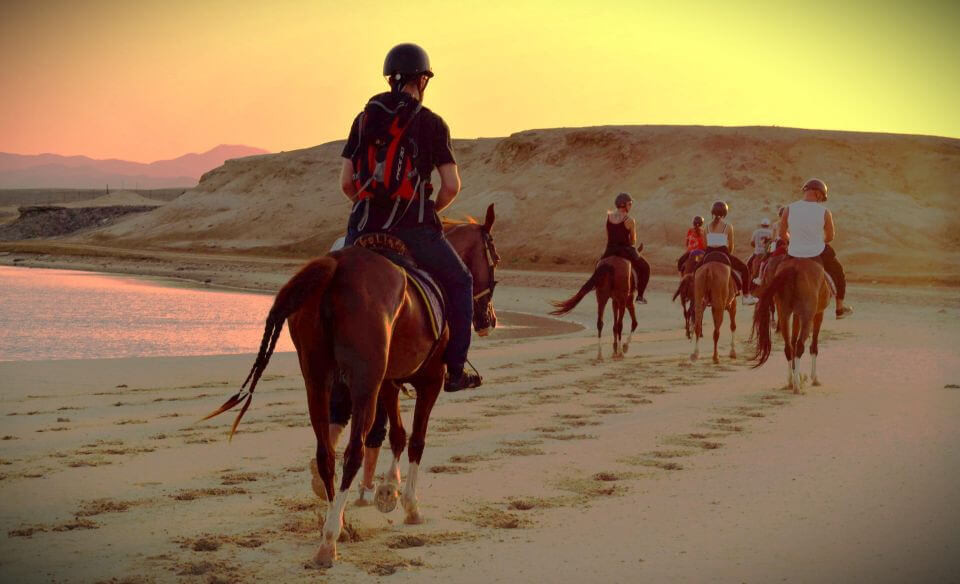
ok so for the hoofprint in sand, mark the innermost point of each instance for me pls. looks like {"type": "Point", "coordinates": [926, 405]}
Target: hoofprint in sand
{"type": "Point", "coordinates": [559, 469]}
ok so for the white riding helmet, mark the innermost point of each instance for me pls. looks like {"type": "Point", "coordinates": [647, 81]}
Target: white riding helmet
{"type": "Point", "coordinates": [765, 222]}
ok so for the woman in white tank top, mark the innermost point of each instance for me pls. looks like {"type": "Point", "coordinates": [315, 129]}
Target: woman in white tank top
{"type": "Point", "coordinates": [807, 221]}
{"type": "Point", "coordinates": [809, 228]}
{"type": "Point", "coordinates": [720, 238]}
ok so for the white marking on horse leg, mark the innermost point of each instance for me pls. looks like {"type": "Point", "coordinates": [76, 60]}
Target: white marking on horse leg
{"type": "Point", "coordinates": [409, 498]}
{"type": "Point", "coordinates": [813, 370]}
{"type": "Point", "coordinates": [332, 525]}
{"type": "Point", "coordinates": [789, 374]}
{"type": "Point", "coordinates": [388, 492]}
{"type": "Point", "coordinates": [733, 344]}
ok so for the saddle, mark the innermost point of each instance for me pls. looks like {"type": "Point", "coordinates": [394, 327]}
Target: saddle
{"type": "Point", "coordinates": [720, 257]}
{"type": "Point", "coordinates": [393, 248]}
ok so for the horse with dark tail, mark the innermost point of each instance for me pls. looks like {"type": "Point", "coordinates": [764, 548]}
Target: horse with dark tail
{"type": "Point", "coordinates": [612, 279]}
{"type": "Point", "coordinates": [800, 293]}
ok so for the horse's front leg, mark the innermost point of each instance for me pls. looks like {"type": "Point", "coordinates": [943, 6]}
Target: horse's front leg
{"type": "Point", "coordinates": [732, 310]}
{"type": "Point", "coordinates": [388, 492]}
{"type": "Point", "coordinates": [428, 388]}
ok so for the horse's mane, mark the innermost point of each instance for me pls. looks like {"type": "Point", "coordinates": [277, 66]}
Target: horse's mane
{"type": "Point", "coordinates": [447, 222]}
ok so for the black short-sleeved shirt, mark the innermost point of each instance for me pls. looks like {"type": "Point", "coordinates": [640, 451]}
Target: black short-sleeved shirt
{"type": "Point", "coordinates": [434, 148]}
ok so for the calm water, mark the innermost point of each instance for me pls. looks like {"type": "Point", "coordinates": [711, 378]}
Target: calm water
{"type": "Point", "coordinates": [65, 314]}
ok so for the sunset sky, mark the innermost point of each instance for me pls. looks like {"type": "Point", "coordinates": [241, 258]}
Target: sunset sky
{"type": "Point", "coordinates": [149, 80]}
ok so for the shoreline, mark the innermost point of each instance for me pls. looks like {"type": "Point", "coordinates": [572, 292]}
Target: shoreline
{"type": "Point", "coordinates": [267, 273]}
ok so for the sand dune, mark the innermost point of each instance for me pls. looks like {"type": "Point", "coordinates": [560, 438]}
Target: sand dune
{"type": "Point", "coordinates": [893, 195]}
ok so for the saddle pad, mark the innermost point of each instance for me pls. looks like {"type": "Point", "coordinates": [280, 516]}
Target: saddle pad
{"type": "Point", "coordinates": [426, 287]}
{"type": "Point", "coordinates": [716, 256]}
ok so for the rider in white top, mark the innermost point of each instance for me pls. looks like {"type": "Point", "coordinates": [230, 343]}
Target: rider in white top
{"type": "Point", "coordinates": [808, 227]}
{"type": "Point", "coordinates": [761, 238]}
{"type": "Point", "coordinates": [807, 220]}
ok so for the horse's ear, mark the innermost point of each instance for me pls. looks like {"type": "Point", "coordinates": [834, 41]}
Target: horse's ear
{"type": "Point", "coordinates": [491, 217]}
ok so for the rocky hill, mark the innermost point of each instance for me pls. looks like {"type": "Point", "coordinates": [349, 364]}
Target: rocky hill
{"type": "Point", "coordinates": [894, 196]}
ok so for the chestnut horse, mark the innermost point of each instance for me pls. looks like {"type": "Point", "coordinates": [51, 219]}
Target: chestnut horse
{"type": "Point", "coordinates": [713, 283]}
{"type": "Point", "coordinates": [800, 291]}
{"type": "Point", "coordinates": [612, 279]}
{"type": "Point", "coordinates": [353, 313]}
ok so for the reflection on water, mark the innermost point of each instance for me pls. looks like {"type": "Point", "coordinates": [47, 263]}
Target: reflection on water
{"type": "Point", "coordinates": [64, 314]}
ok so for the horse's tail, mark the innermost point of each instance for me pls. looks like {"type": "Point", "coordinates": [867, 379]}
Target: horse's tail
{"type": "Point", "coordinates": [761, 314]}
{"type": "Point", "coordinates": [565, 306]}
{"type": "Point", "coordinates": [313, 279]}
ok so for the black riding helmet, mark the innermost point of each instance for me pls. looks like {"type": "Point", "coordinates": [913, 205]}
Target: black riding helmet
{"type": "Point", "coordinates": [698, 221]}
{"type": "Point", "coordinates": [622, 200]}
{"type": "Point", "coordinates": [405, 62]}
{"type": "Point", "coordinates": [719, 209]}
{"type": "Point", "coordinates": [815, 184]}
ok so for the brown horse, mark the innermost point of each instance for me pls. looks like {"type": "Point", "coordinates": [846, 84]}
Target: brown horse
{"type": "Point", "coordinates": [354, 313]}
{"type": "Point", "coordinates": [713, 284]}
{"type": "Point", "coordinates": [685, 291]}
{"type": "Point", "coordinates": [801, 293]}
{"type": "Point", "coordinates": [612, 279]}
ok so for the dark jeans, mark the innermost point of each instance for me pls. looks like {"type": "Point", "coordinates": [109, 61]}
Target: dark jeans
{"type": "Point", "coordinates": [432, 252]}
{"type": "Point", "coordinates": [640, 265]}
{"type": "Point", "coordinates": [737, 264]}
{"type": "Point", "coordinates": [833, 267]}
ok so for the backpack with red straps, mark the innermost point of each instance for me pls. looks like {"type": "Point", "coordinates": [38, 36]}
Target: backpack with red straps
{"type": "Point", "coordinates": [384, 169]}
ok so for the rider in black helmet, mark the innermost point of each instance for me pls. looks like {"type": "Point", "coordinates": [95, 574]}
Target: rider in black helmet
{"type": "Point", "coordinates": [407, 71]}
{"type": "Point", "coordinates": [720, 238]}
{"type": "Point", "coordinates": [622, 241]}
{"type": "Point", "coordinates": [809, 228]}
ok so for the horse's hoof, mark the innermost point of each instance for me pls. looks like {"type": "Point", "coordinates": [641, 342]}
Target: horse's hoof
{"type": "Point", "coordinates": [413, 518]}
{"type": "Point", "coordinates": [716, 360]}
{"type": "Point", "coordinates": [386, 497]}
{"type": "Point", "coordinates": [816, 382]}
{"type": "Point", "coordinates": [733, 355]}
{"type": "Point", "coordinates": [625, 349]}
{"type": "Point", "coordinates": [694, 357]}
{"type": "Point", "coordinates": [325, 555]}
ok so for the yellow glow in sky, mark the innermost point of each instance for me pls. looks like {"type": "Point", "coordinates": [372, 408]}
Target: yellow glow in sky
{"type": "Point", "coordinates": [155, 79]}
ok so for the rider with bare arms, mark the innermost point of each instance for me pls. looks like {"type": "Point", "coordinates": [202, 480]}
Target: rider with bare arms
{"type": "Point", "coordinates": [809, 228]}
{"type": "Point", "coordinates": [622, 242]}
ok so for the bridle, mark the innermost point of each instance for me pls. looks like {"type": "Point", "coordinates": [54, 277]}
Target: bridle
{"type": "Point", "coordinates": [482, 299]}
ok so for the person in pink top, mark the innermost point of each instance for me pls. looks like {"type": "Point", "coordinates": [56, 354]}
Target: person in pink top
{"type": "Point", "coordinates": [808, 227]}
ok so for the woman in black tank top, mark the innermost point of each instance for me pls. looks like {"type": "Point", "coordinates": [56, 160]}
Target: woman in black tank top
{"type": "Point", "coordinates": [621, 239]}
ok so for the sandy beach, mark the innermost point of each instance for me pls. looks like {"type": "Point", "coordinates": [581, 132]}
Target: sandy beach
{"type": "Point", "coordinates": [560, 468]}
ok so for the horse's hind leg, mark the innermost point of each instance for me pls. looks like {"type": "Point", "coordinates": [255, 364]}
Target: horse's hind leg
{"type": "Point", "coordinates": [618, 310]}
{"type": "Point", "coordinates": [428, 388]}
{"type": "Point", "coordinates": [388, 492]}
{"type": "Point", "coordinates": [601, 306]}
{"type": "Point", "coordinates": [633, 325]}
{"type": "Point", "coordinates": [364, 381]}
{"type": "Point", "coordinates": [814, 349]}
{"type": "Point", "coordinates": [717, 311]}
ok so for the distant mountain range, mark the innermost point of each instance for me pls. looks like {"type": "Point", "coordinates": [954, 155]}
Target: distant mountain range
{"type": "Point", "coordinates": [55, 171]}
